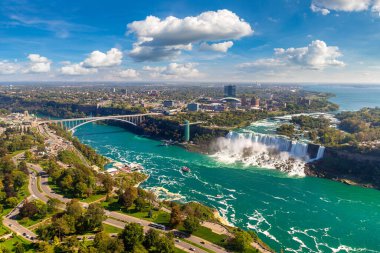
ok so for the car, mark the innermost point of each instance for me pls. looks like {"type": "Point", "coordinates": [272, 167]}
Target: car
{"type": "Point", "coordinates": [191, 249]}
{"type": "Point", "coordinates": [24, 234]}
{"type": "Point", "coordinates": [10, 225]}
{"type": "Point", "coordinates": [202, 242]}
{"type": "Point", "coordinates": [176, 240]}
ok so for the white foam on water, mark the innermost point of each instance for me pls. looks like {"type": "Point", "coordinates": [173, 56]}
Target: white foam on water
{"type": "Point", "coordinates": [164, 194]}
{"type": "Point", "coordinates": [261, 225]}
{"type": "Point", "coordinates": [317, 235]}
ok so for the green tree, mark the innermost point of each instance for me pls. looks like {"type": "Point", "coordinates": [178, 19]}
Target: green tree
{"type": "Point", "coordinates": [191, 224]}
{"type": "Point", "coordinates": [28, 209]}
{"type": "Point", "coordinates": [74, 208]}
{"type": "Point", "coordinates": [108, 183]}
{"type": "Point", "coordinates": [128, 196]}
{"type": "Point", "coordinates": [94, 217]}
{"type": "Point", "coordinates": [241, 241]}
{"type": "Point", "coordinates": [132, 236]}
{"type": "Point", "coordinates": [19, 247]}
{"type": "Point", "coordinates": [156, 243]}
{"type": "Point", "coordinates": [28, 155]}
{"type": "Point", "coordinates": [53, 205]}
{"type": "Point", "coordinates": [11, 202]}
{"type": "Point", "coordinates": [140, 204]}
{"type": "Point", "coordinates": [175, 216]}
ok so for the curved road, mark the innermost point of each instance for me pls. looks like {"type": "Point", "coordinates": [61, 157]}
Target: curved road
{"type": "Point", "coordinates": [113, 218]}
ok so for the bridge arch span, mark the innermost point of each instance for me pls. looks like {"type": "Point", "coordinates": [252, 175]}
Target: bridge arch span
{"type": "Point", "coordinates": [94, 120]}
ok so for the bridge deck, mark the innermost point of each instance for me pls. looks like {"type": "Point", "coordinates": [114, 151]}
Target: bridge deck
{"type": "Point", "coordinates": [99, 118]}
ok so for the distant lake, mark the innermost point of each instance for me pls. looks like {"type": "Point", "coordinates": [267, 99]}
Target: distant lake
{"type": "Point", "coordinates": [351, 97]}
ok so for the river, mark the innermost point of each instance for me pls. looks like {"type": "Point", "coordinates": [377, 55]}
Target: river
{"type": "Point", "coordinates": [297, 214]}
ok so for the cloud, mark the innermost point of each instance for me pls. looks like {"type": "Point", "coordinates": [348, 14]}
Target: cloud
{"type": "Point", "coordinates": [263, 63]}
{"type": "Point", "coordinates": [317, 55]}
{"type": "Point", "coordinates": [164, 39]}
{"type": "Point", "coordinates": [174, 71]}
{"type": "Point", "coordinates": [61, 28]}
{"type": "Point", "coordinates": [217, 47]}
{"type": "Point", "coordinates": [326, 6]}
{"type": "Point", "coordinates": [99, 59]}
{"type": "Point", "coordinates": [129, 73]}
{"type": "Point", "coordinates": [93, 62]}
{"type": "Point", "coordinates": [315, 8]}
{"type": "Point", "coordinates": [38, 64]}
{"type": "Point", "coordinates": [376, 7]}
{"type": "Point", "coordinates": [77, 69]}
{"type": "Point", "coordinates": [8, 68]}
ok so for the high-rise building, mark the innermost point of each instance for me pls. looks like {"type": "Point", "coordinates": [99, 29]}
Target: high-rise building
{"type": "Point", "coordinates": [230, 91]}
{"type": "Point", "coordinates": [255, 102]}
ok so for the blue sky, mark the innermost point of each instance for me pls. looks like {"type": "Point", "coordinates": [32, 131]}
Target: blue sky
{"type": "Point", "coordinates": [218, 40]}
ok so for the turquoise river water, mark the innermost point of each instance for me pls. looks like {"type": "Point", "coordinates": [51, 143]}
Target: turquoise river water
{"type": "Point", "coordinates": [296, 214]}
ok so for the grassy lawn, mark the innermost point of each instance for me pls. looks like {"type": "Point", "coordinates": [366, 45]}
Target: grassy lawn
{"type": "Point", "coordinates": [3, 230]}
{"type": "Point", "coordinates": [177, 250]}
{"type": "Point", "coordinates": [10, 244]}
{"type": "Point", "coordinates": [27, 222]}
{"type": "Point", "coordinates": [5, 212]}
{"type": "Point", "coordinates": [111, 229]}
{"type": "Point", "coordinates": [16, 152]}
{"type": "Point", "coordinates": [24, 191]}
{"type": "Point", "coordinates": [208, 235]}
{"type": "Point", "coordinates": [59, 191]}
{"type": "Point", "coordinates": [93, 198]}
{"type": "Point", "coordinates": [160, 217]}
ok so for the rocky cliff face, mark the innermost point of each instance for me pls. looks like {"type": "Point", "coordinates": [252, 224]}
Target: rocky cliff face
{"type": "Point", "coordinates": [347, 166]}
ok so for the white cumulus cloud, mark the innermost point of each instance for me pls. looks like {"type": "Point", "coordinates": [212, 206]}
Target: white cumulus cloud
{"type": "Point", "coordinates": [129, 73]}
{"type": "Point", "coordinates": [174, 71]}
{"type": "Point", "coordinates": [217, 47]}
{"type": "Point", "coordinates": [96, 60]}
{"type": "Point", "coordinates": [38, 64]}
{"type": "Point", "coordinates": [77, 69]}
{"type": "Point", "coordinates": [317, 55]}
{"type": "Point", "coordinates": [99, 59]}
{"type": "Point", "coordinates": [326, 6]}
{"type": "Point", "coordinates": [162, 39]}
{"type": "Point", "coordinates": [8, 68]}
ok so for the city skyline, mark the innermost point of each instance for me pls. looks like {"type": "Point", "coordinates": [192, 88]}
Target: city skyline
{"type": "Point", "coordinates": [267, 41]}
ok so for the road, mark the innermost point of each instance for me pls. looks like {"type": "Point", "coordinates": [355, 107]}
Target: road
{"type": "Point", "coordinates": [115, 219]}
{"type": "Point", "coordinates": [10, 219]}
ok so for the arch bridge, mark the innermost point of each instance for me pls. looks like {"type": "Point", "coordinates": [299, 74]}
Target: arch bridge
{"type": "Point", "coordinates": [72, 124]}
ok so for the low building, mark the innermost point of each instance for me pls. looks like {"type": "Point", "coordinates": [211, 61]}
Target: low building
{"type": "Point", "coordinates": [193, 107]}
{"type": "Point", "coordinates": [168, 103]}
{"type": "Point", "coordinates": [216, 107]}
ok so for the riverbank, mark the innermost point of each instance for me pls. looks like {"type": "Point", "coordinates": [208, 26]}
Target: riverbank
{"type": "Point", "coordinates": [348, 167]}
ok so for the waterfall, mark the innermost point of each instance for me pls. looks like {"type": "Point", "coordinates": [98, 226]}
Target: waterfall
{"type": "Point", "coordinates": [267, 151]}
{"type": "Point", "coordinates": [320, 153]}
{"type": "Point", "coordinates": [294, 148]}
